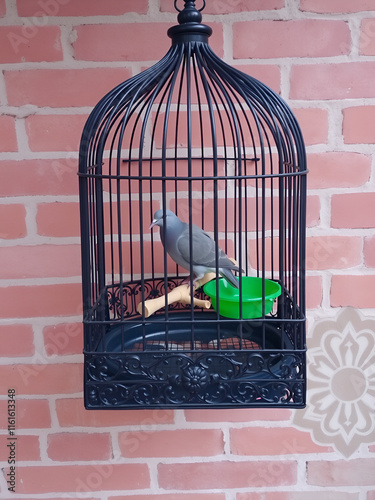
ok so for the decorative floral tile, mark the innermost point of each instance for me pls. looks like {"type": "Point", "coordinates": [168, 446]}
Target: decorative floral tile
{"type": "Point", "coordinates": [341, 382]}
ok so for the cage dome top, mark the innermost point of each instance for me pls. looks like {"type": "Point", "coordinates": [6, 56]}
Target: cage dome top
{"type": "Point", "coordinates": [229, 103]}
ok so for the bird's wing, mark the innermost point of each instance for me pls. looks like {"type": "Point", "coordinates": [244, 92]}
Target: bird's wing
{"type": "Point", "coordinates": [203, 249]}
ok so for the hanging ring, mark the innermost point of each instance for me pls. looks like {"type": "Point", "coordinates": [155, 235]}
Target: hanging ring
{"type": "Point", "coordinates": [203, 6]}
{"type": "Point", "coordinates": [199, 10]}
{"type": "Point", "coordinates": [175, 6]}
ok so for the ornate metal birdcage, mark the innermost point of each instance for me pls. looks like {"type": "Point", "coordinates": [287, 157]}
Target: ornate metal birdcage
{"type": "Point", "coordinates": [222, 151]}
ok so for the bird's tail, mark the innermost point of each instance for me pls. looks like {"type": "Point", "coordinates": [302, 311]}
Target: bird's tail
{"type": "Point", "coordinates": [229, 276]}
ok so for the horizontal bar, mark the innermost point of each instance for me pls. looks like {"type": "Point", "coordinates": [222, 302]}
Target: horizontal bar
{"type": "Point", "coordinates": [192, 178]}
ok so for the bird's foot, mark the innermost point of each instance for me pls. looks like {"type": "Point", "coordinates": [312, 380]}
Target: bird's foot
{"type": "Point", "coordinates": [187, 281]}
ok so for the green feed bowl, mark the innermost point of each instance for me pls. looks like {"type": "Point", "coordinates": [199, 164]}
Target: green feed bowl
{"type": "Point", "coordinates": [229, 297]}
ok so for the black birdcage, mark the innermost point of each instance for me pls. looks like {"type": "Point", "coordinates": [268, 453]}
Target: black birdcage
{"type": "Point", "coordinates": [224, 152]}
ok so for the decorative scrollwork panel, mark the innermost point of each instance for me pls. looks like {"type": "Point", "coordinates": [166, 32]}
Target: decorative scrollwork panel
{"type": "Point", "coordinates": [193, 380]}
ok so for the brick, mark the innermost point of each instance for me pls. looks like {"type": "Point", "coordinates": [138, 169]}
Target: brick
{"type": "Point", "coordinates": [270, 259]}
{"type": "Point", "coordinates": [324, 495]}
{"type": "Point", "coordinates": [54, 132]}
{"type": "Point", "coordinates": [357, 125]}
{"type": "Point", "coordinates": [333, 252]}
{"type": "Point", "coordinates": [245, 415]}
{"type": "Point", "coordinates": [331, 6]}
{"type": "Point", "coordinates": [37, 8]}
{"type": "Point", "coordinates": [8, 138]}
{"type": "Point", "coordinates": [63, 339]}
{"type": "Point", "coordinates": [182, 170]}
{"type": "Point", "coordinates": [176, 443]}
{"type": "Point", "coordinates": [26, 448]}
{"type": "Point", "coordinates": [81, 479]}
{"type": "Point", "coordinates": [62, 378]}
{"type": "Point", "coordinates": [38, 177]}
{"type": "Point", "coordinates": [16, 340]}
{"type": "Point", "coordinates": [82, 87]}
{"type": "Point", "coordinates": [319, 253]}
{"type": "Point", "coordinates": [41, 261]}
{"type": "Point", "coordinates": [265, 73]}
{"type": "Point", "coordinates": [59, 498]}
{"type": "Point", "coordinates": [41, 301]}
{"type": "Point", "coordinates": [314, 124]}
{"type": "Point", "coordinates": [31, 414]}
{"type": "Point", "coordinates": [131, 259]}
{"type": "Point", "coordinates": [58, 219]}
{"type": "Point", "coordinates": [173, 496]}
{"type": "Point", "coordinates": [255, 39]}
{"type": "Point", "coordinates": [367, 39]}
{"type": "Point", "coordinates": [304, 495]}
{"type": "Point", "coordinates": [71, 413]}
{"type": "Point", "coordinates": [272, 441]}
{"type": "Point", "coordinates": [369, 251]}
{"type": "Point", "coordinates": [224, 474]}
{"type": "Point", "coordinates": [338, 169]}
{"type": "Point", "coordinates": [30, 43]}
{"type": "Point", "coordinates": [231, 7]}
{"type": "Point", "coordinates": [314, 81]}
{"type": "Point", "coordinates": [312, 218]}
{"type": "Point", "coordinates": [355, 291]}
{"type": "Point", "coordinates": [130, 217]}
{"type": "Point", "coordinates": [313, 211]}
{"type": "Point", "coordinates": [253, 496]}
{"type": "Point", "coordinates": [12, 221]}
{"type": "Point", "coordinates": [177, 131]}
{"type": "Point", "coordinates": [130, 42]}
{"type": "Point", "coordinates": [371, 495]}
{"type": "Point", "coordinates": [356, 472]}
{"type": "Point", "coordinates": [314, 292]}
{"type": "Point", "coordinates": [353, 210]}
{"type": "Point", "coordinates": [76, 446]}
{"type": "Point", "coordinates": [225, 208]}
{"type": "Point", "coordinates": [121, 42]}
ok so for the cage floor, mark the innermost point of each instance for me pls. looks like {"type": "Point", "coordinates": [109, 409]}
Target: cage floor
{"type": "Point", "coordinates": [177, 334]}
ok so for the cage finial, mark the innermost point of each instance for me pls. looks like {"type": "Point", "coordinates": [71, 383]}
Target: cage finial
{"type": "Point", "coordinates": [189, 14]}
{"type": "Point", "coordinates": [189, 28]}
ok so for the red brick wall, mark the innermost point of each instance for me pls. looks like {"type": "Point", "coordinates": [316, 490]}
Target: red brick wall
{"type": "Point", "coordinates": [57, 58]}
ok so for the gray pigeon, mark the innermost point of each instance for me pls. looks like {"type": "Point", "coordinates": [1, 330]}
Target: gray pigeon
{"type": "Point", "coordinates": [176, 243]}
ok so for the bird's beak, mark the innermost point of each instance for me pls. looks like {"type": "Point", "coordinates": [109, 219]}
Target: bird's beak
{"type": "Point", "coordinates": [153, 223]}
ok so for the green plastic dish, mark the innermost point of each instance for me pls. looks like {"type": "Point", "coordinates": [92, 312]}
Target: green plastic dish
{"type": "Point", "coordinates": [229, 297]}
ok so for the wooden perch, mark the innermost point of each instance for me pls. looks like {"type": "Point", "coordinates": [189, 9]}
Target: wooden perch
{"type": "Point", "coordinates": [179, 294]}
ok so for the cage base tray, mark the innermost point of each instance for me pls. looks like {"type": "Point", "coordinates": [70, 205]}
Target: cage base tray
{"type": "Point", "coordinates": [205, 334]}
{"type": "Point", "coordinates": [139, 367]}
